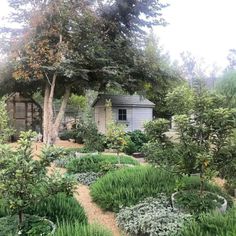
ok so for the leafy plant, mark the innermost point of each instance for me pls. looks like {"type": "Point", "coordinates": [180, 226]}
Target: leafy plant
{"type": "Point", "coordinates": [135, 142]}
{"type": "Point", "coordinates": [59, 208]}
{"type": "Point", "coordinates": [24, 180]}
{"type": "Point", "coordinates": [153, 216]}
{"type": "Point", "coordinates": [77, 229]}
{"type": "Point", "coordinates": [116, 137]}
{"type": "Point", "coordinates": [32, 225]}
{"type": "Point", "coordinates": [128, 186]}
{"type": "Point", "coordinates": [212, 224]}
{"type": "Point", "coordinates": [5, 130]}
{"type": "Point", "coordinates": [195, 203]}
{"type": "Point", "coordinates": [155, 130]}
{"type": "Point", "coordinates": [97, 163]}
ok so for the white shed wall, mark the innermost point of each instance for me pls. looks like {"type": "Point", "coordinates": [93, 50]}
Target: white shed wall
{"type": "Point", "coordinates": [100, 119]}
{"type": "Point", "coordinates": [140, 116]}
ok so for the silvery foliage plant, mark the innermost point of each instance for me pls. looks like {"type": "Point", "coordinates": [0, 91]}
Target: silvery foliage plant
{"type": "Point", "coordinates": [153, 216]}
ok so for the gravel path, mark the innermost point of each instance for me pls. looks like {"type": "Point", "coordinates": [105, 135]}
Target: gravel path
{"type": "Point", "coordinates": [94, 213]}
{"type": "Point", "coordinates": [92, 210]}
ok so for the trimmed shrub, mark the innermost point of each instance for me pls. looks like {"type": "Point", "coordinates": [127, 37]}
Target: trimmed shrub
{"type": "Point", "coordinates": [128, 186]}
{"type": "Point", "coordinates": [71, 134]}
{"type": "Point", "coordinates": [153, 216]}
{"type": "Point", "coordinates": [97, 163]}
{"type": "Point", "coordinates": [76, 229]}
{"type": "Point", "coordinates": [212, 224]}
{"type": "Point", "coordinates": [59, 207]}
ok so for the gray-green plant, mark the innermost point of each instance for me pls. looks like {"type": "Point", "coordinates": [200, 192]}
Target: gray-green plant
{"type": "Point", "coordinates": [88, 178]}
{"type": "Point", "coordinates": [152, 216]}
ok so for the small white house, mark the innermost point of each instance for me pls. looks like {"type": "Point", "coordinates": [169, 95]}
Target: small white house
{"type": "Point", "coordinates": [132, 111]}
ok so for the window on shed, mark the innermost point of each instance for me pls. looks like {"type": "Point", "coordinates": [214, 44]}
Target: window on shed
{"type": "Point", "coordinates": [122, 114]}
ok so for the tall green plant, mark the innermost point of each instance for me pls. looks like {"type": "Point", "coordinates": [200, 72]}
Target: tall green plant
{"type": "Point", "coordinates": [5, 130]}
{"type": "Point", "coordinates": [116, 137]}
{"type": "Point", "coordinates": [24, 180]}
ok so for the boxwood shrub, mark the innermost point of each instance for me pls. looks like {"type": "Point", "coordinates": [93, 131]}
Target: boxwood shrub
{"type": "Point", "coordinates": [128, 186]}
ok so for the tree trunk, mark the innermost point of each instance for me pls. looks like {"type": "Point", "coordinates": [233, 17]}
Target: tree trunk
{"type": "Point", "coordinates": [51, 126]}
{"type": "Point", "coordinates": [45, 113]}
{"type": "Point", "coordinates": [21, 217]}
{"type": "Point", "coordinates": [60, 114]}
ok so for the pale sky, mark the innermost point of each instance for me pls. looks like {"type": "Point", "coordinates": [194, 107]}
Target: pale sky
{"type": "Point", "coordinates": [206, 28]}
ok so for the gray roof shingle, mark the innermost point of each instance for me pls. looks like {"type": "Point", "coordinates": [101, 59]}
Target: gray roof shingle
{"type": "Point", "coordinates": [123, 100]}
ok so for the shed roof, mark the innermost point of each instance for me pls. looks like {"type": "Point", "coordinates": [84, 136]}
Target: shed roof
{"type": "Point", "coordinates": [123, 100]}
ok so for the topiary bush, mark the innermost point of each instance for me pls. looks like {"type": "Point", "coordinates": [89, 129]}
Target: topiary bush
{"type": "Point", "coordinates": [77, 229]}
{"type": "Point", "coordinates": [153, 216]}
{"type": "Point", "coordinates": [128, 186]}
{"type": "Point", "coordinates": [60, 207]}
{"type": "Point", "coordinates": [212, 224]}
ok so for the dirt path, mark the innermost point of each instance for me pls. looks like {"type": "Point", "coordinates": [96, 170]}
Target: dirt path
{"type": "Point", "coordinates": [94, 213]}
{"type": "Point", "coordinates": [82, 195]}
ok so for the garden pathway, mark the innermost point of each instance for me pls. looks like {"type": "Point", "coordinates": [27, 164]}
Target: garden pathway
{"type": "Point", "coordinates": [82, 195]}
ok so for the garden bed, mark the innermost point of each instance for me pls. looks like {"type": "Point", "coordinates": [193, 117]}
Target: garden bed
{"type": "Point", "coordinates": [195, 202]}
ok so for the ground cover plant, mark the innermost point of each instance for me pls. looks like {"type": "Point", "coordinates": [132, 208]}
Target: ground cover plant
{"type": "Point", "coordinates": [128, 186]}
{"type": "Point", "coordinates": [76, 229]}
{"type": "Point", "coordinates": [88, 178]}
{"type": "Point", "coordinates": [212, 224]}
{"type": "Point", "coordinates": [97, 163]}
{"type": "Point", "coordinates": [152, 216]}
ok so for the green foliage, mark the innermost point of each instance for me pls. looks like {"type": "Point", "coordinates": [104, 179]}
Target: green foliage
{"type": "Point", "coordinates": [180, 100]}
{"type": "Point", "coordinates": [194, 183]}
{"type": "Point", "coordinates": [24, 180]}
{"type": "Point", "coordinates": [5, 130]}
{"type": "Point", "coordinates": [77, 229]}
{"type": "Point", "coordinates": [59, 208]}
{"type": "Point", "coordinates": [116, 137]}
{"type": "Point", "coordinates": [203, 132]}
{"type": "Point", "coordinates": [212, 224]}
{"type": "Point", "coordinates": [97, 163]}
{"type": "Point", "coordinates": [226, 86]}
{"type": "Point", "coordinates": [135, 142]}
{"type": "Point", "coordinates": [162, 155]}
{"type": "Point", "coordinates": [155, 129]}
{"type": "Point", "coordinates": [33, 225]}
{"type": "Point", "coordinates": [195, 203]}
{"type": "Point", "coordinates": [71, 134]}
{"type": "Point", "coordinates": [153, 216]}
{"type": "Point", "coordinates": [128, 186]}
{"type": "Point", "coordinates": [93, 141]}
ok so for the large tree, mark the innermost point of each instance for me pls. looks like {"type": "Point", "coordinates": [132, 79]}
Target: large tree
{"type": "Point", "coordinates": [64, 46]}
